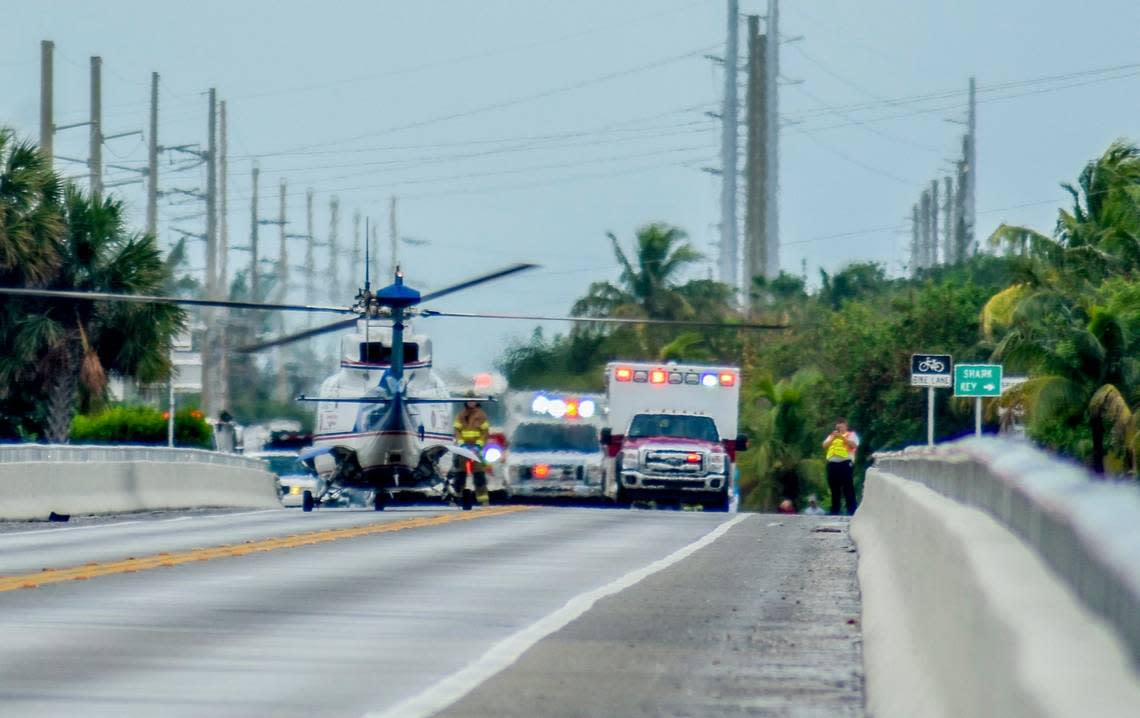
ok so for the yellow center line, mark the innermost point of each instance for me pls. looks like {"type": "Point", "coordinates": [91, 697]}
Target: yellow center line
{"type": "Point", "coordinates": [164, 559]}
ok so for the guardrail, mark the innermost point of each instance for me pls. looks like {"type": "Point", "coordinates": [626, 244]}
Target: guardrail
{"type": "Point", "coordinates": [15, 453]}
{"type": "Point", "coordinates": [39, 479]}
{"type": "Point", "coordinates": [1086, 530]}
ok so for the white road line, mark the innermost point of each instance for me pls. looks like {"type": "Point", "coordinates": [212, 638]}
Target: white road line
{"type": "Point", "coordinates": [504, 654]}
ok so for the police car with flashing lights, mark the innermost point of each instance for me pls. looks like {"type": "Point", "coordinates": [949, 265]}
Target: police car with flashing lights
{"type": "Point", "coordinates": [552, 447]}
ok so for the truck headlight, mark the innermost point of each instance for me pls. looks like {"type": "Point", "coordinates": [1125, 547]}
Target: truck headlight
{"type": "Point", "coordinates": [629, 458]}
{"type": "Point", "coordinates": [717, 463]}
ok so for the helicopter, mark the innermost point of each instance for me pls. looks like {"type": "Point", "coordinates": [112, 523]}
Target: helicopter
{"type": "Point", "coordinates": [383, 421]}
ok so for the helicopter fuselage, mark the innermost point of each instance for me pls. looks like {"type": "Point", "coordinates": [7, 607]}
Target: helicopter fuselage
{"type": "Point", "coordinates": [395, 443]}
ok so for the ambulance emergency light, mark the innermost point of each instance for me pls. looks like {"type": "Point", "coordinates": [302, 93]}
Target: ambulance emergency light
{"type": "Point", "coordinates": [708, 379]}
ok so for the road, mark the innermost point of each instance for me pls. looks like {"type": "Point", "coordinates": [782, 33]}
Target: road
{"type": "Point", "coordinates": [538, 611]}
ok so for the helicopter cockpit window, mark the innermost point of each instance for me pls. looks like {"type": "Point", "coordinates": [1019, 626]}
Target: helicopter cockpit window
{"type": "Point", "coordinates": [380, 353]}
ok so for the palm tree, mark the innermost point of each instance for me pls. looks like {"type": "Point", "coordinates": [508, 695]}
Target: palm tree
{"type": "Point", "coordinates": [69, 345]}
{"type": "Point", "coordinates": [649, 286]}
{"type": "Point", "coordinates": [781, 459]}
{"type": "Point", "coordinates": [1052, 323]}
{"type": "Point", "coordinates": [31, 224]}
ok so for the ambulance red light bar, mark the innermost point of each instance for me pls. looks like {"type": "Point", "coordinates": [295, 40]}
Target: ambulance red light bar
{"type": "Point", "coordinates": [727, 378]}
{"type": "Point", "coordinates": [623, 373]}
{"type": "Point", "coordinates": [657, 376]}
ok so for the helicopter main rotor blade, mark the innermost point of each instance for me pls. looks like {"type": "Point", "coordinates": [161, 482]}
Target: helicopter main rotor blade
{"type": "Point", "coordinates": [521, 267]}
{"type": "Point", "coordinates": [606, 320]}
{"type": "Point", "coordinates": [149, 299]}
{"type": "Point", "coordinates": [290, 338]}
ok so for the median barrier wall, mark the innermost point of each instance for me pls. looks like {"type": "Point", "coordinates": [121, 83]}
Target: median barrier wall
{"type": "Point", "coordinates": [38, 479]}
{"type": "Point", "coordinates": [998, 580]}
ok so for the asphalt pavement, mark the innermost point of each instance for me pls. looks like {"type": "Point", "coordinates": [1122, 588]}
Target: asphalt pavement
{"type": "Point", "coordinates": [416, 611]}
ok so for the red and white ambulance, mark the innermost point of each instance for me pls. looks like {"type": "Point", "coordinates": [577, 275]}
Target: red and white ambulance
{"type": "Point", "coordinates": [672, 433]}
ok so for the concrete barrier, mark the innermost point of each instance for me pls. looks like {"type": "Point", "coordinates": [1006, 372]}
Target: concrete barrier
{"type": "Point", "coordinates": [36, 480]}
{"type": "Point", "coordinates": [997, 581]}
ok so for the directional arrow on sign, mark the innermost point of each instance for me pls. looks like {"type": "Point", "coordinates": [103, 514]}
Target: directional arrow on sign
{"type": "Point", "coordinates": [988, 387]}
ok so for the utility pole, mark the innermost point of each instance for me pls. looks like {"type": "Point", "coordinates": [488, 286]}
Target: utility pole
{"type": "Point", "coordinates": [310, 253]}
{"type": "Point", "coordinates": [971, 158]}
{"type": "Point", "coordinates": [95, 157]}
{"type": "Point", "coordinates": [283, 252]}
{"type": "Point", "coordinates": [756, 257]}
{"type": "Point", "coordinates": [152, 161]}
{"type": "Point", "coordinates": [47, 90]}
{"type": "Point", "coordinates": [924, 223]}
{"type": "Point", "coordinates": [356, 245]}
{"type": "Point", "coordinates": [915, 242]}
{"type": "Point", "coordinates": [282, 389]}
{"type": "Point", "coordinates": [334, 249]}
{"type": "Point", "coordinates": [223, 222]}
{"type": "Point", "coordinates": [392, 234]}
{"type": "Point", "coordinates": [209, 367]}
{"type": "Point", "coordinates": [949, 249]}
{"type": "Point", "coordinates": [729, 259]}
{"type": "Point", "coordinates": [772, 140]}
{"type": "Point", "coordinates": [961, 235]}
{"type": "Point", "coordinates": [373, 246]}
{"type": "Point", "coordinates": [254, 267]}
{"type": "Point", "coordinates": [934, 262]}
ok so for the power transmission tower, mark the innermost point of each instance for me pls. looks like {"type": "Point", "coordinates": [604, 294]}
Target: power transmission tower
{"type": "Point", "coordinates": [961, 233]}
{"type": "Point", "coordinates": [47, 90]}
{"type": "Point", "coordinates": [335, 291]}
{"type": "Point", "coordinates": [729, 256]}
{"type": "Point", "coordinates": [95, 152]}
{"type": "Point", "coordinates": [209, 365]}
{"type": "Point", "coordinates": [756, 255]}
{"type": "Point", "coordinates": [373, 246]}
{"type": "Point", "coordinates": [152, 161]}
{"type": "Point", "coordinates": [934, 223]}
{"type": "Point", "coordinates": [772, 140]}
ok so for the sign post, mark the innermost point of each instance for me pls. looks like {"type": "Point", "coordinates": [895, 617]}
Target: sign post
{"type": "Point", "coordinates": [977, 381]}
{"type": "Point", "coordinates": [930, 370]}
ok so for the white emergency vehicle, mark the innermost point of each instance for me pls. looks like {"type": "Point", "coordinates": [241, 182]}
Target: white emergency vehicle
{"type": "Point", "coordinates": [552, 444]}
{"type": "Point", "coordinates": [672, 433]}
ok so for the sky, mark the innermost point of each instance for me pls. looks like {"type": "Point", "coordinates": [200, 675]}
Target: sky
{"type": "Point", "coordinates": [514, 131]}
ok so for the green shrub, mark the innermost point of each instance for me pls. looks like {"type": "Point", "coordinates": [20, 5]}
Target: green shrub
{"type": "Point", "coordinates": [141, 425]}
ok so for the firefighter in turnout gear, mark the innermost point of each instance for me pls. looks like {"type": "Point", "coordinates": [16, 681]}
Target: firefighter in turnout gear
{"type": "Point", "coordinates": [471, 431]}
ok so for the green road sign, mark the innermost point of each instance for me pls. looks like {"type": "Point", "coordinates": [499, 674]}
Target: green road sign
{"type": "Point", "coordinates": [977, 380]}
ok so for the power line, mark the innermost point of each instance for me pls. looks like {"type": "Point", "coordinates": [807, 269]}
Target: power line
{"type": "Point", "coordinates": [512, 102]}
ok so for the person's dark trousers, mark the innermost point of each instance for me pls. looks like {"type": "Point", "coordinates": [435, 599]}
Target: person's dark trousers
{"type": "Point", "coordinates": [841, 482]}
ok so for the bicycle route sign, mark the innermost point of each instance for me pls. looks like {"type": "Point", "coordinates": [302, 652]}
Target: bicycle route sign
{"type": "Point", "coordinates": [977, 380]}
{"type": "Point", "coordinates": [931, 370]}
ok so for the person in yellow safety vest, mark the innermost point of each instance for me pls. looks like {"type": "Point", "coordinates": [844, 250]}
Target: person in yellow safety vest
{"type": "Point", "coordinates": [840, 447]}
{"type": "Point", "coordinates": [471, 425]}
{"type": "Point", "coordinates": [471, 429]}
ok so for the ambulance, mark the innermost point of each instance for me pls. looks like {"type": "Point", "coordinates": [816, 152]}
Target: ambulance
{"type": "Point", "coordinates": [552, 445]}
{"type": "Point", "coordinates": [672, 433]}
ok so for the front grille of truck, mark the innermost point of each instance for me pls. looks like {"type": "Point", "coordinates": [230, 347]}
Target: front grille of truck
{"type": "Point", "coordinates": [673, 463]}
{"type": "Point", "coordinates": [672, 484]}
{"type": "Point", "coordinates": [558, 472]}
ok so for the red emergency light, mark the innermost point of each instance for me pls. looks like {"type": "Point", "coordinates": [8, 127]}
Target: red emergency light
{"type": "Point", "coordinates": [541, 471]}
{"type": "Point", "coordinates": [693, 458]}
{"type": "Point", "coordinates": [657, 376]}
{"type": "Point", "coordinates": [727, 378]}
{"type": "Point", "coordinates": [623, 373]}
